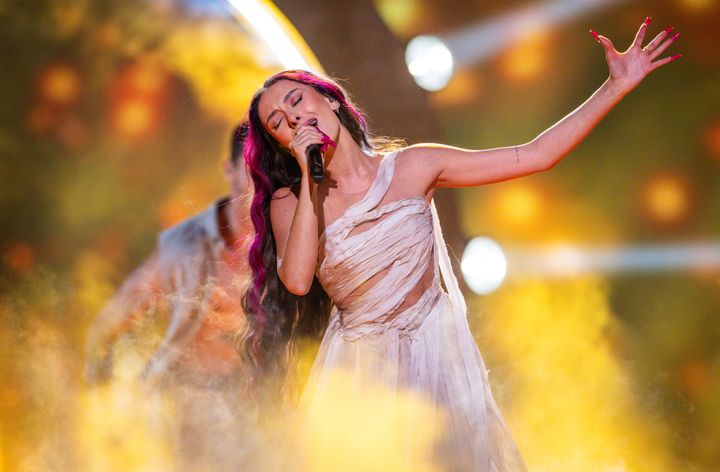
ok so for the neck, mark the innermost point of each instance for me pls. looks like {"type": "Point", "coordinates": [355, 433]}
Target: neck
{"type": "Point", "coordinates": [348, 166]}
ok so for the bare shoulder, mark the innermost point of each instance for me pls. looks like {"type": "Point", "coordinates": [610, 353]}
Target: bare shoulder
{"type": "Point", "coordinates": [415, 167]}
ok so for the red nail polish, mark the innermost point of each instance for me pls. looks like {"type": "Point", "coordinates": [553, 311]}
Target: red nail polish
{"type": "Point", "coordinates": [676, 56]}
{"type": "Point", "coordinates": [647, 20]}
{"type": "Point", "coordinates": [675, 36]}
{"type": "Point", "coordinates": [667, 30]}
{"type": "Point", "coordinates": [595, 35]}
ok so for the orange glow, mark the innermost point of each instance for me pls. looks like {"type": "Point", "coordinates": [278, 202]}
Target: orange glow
{"type": "Point", "coordinates": [20, 258]}
{"type": "Point", "coordinates": [41, 119]}
{"type": "Point", "coordinates": [519, 204]}
{"type": "Point", "coordinates": [464, 87]}
{"type": "Point", "coordinates": [666, 199]}
{"type": "Point", "coordinates": [712, 140]}
{"type": "Point", "coordinates": [143, 78]}
{"type": "Point", "coordinates": [697, 5]}
{"type": "Point", "coordinates": [173, 211]}
{"type": "Point", "coordinates": [528, 58]}
{"type": "Point", "coordinates": [695, 377]}
{"type": "Point", "coordinates": [73, 133]}
{"type": "Point", "coordinates": [134, 118]}
{"type": "Point", "coordinates": [60, 84]}
{"type": "Point", "coordinates": [402, 16]}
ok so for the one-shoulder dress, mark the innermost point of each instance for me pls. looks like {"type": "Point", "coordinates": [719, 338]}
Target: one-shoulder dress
{"type": "Point", "coordinates": [398, 330]}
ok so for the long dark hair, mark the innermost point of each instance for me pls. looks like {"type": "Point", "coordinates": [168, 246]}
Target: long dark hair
{"type": "Point", "coordinates": [275, 317]}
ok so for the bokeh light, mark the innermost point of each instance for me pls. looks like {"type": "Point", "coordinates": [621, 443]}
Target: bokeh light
{"type": "Point", "coordinates": [518, 203]}
{"type": "Point", "coordinates": [59, 84]}
{"type": "Point", "coordinates": [483, 265]}
{"type": "Point", "coordinates": [528, 58]}
{"type": "Point", "coordinates": [430, 62]}
{"type": "Point", "coordinates": [666, 198]}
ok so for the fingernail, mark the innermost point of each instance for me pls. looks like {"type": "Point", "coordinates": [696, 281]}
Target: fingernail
{"type": "Point", "coordinates": [667, 30]}
{"type": "Point", "coordinates": [675, 36]}
{"type": "Point", "coordinates": [647, 20]}
{"type": "Point", "coordinates": [676, 56]}
{"type": "Point", "coordinates": [595, 35]}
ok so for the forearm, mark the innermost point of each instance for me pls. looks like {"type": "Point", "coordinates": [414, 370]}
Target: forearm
{"type": "Point", "coordinates": [552, 145]}
{"type": "Point", "coordinates": [301, 251]}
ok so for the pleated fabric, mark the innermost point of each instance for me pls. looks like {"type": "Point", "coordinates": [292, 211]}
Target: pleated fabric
{"type": "Point", "coordinates": [371, 260]}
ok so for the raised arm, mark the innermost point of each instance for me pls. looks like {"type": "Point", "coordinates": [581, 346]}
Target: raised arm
{"type": "Point", "coordinates": [295, 221]}
{"type": "Point", "coordinates": [140, 291]}
{"type": "Point", "coordinates": [453, 167]}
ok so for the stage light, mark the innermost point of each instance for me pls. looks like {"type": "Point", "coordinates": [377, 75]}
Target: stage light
{"type": "Point", "coordinates": [276, 33]}
{"type": "Point", "coordinates": [697, 5]}
{"type": "Point", "coordinates": [666, 199]}
{"type": "Point", "coordinates": [572, 261]}
{"type": "Point", "coordinates": [518, 204]}
{"type": "Point", "coordinates": [134, 118]}
{"type": "Point", "coordinates": [712, 140]}
{"type": "Point", "coordinates": [483, 265]}
{"type": "Point", "coordinates": [484, 40]}
{"type": "Point", "coordinates": [401, 15]}
{"type": "Point", "coordinates": [20, 257]}
{"type": "Point", "coordinates": [59, 84]}
{"type": "Point", "coordinates": [430, 62]}
{"type": "Point", "coordinates": [527, 59]}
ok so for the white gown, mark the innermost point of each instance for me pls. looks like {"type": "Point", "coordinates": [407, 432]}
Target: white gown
{"type": "Point", "coordinates": [384, 344]}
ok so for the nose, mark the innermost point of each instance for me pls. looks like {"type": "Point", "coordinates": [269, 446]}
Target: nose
{"type": "Point", "coordinates": [294, 122]}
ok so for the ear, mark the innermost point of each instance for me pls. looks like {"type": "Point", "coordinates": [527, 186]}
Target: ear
{"type": "Point", "coordinates": [334, 104]}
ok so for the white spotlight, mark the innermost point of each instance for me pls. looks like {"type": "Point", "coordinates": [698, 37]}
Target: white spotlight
{"type": "Point", "coordinates": [430, 62]}
{"type": "Point", "coordinates": [483, 265]}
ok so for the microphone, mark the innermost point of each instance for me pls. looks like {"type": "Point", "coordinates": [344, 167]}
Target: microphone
{"type": "Point", "coordinates": [314, 159]}
{"type": "Point", "coordinates": [313, 154]}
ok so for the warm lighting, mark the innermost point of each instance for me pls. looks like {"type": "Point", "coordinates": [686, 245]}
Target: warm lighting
{"type": "Point", "coordinates": [20, 258]}
{"type": "Point", "coordinates": [59, 84]}
{"type": "Point", "coordinates": [666, 199]}
{"type": "Point", "coordinates": [464, 87]}
{"type": "Point", "coordinates": [276, 33]}
{"type": "Point", "coordinates": [401, 15]}
{"type": "Point", "coordinates": [134, 118]}
{"type": "Point", "coordinates": [697, 5]}
{"type": "Point", "coordinates": [518, 204]}
{"type": "Point", "coordinates": [527, 59]}
{"type": "Point", "coordinates": [712, 140]}
{"type": "Point", "coordinates": [430, 62]}
{"type": "Point", "coordinates": [696, 378]}
{"type": "Point", "coordinates": [483, 265]}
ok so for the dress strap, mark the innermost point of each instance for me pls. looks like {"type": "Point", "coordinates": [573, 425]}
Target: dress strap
{"type": "Point", "coordinates": [378, 189]}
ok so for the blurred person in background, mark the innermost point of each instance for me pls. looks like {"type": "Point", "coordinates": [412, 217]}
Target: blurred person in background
{"type": "Point", "coordinates": [361, 255]}
{"type": "Point", "coordinates": [197, 273]}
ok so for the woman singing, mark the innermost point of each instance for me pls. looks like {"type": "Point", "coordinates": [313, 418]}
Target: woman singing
{"type": "Point", "coordinates": [366, 242]}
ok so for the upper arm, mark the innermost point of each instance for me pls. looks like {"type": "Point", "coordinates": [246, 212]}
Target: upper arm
{"type": "Point", "coordinates": [282, 210]}
{"type": "Point", "coordinates": [449, 166]}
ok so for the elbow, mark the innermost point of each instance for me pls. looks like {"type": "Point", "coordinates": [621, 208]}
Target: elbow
{"type": "Point", "coordinates": [298, 286]}
{"type": "Point", "coordinates": [544, 159]}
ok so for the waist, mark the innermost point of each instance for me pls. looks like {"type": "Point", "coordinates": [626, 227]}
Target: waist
{"type": "Point", "coordinates": [356, 324]}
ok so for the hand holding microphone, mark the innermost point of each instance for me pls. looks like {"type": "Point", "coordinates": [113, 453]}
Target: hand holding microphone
{"type": "Point", "coordinates": [314, 154]}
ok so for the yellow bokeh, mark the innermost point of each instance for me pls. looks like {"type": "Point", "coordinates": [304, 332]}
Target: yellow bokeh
{"type": "Point", "coordinates": [573, 406]}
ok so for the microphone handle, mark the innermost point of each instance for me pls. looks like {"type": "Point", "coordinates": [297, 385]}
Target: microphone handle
{"type": "Point", "coordinates": [314, 158]}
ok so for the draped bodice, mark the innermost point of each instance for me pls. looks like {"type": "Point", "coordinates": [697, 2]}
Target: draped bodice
{"type": "Point", "coordinates": [373, 257]}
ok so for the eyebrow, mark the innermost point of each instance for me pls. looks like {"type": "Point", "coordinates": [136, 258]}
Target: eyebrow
{"type": "Point", "coordinates": [285, 99]}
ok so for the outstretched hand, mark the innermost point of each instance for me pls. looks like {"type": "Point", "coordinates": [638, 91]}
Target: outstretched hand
{"type": "Point", "coordinates": [629, 68]}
